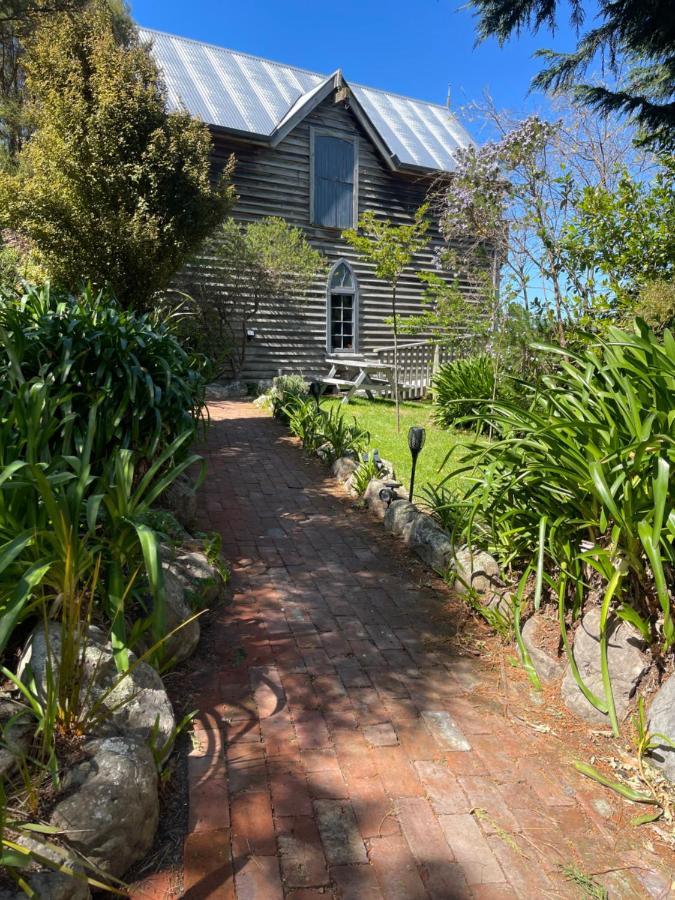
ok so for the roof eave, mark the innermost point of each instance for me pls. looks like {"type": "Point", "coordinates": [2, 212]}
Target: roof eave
{"type": "Point", "coordinates": [391, 160]}
{"type": "Point", "coordinates": [318, 95]}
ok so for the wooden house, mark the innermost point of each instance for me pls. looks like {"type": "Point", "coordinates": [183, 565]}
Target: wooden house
{"type": "Point", "coordinates": [317, 151]}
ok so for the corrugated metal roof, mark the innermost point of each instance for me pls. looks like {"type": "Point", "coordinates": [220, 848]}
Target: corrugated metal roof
{"type": "Point", "coordinates": [255, 96]}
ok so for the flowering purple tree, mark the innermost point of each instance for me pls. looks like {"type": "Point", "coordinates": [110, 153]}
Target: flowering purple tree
{"type": "Point", "coordinates": [510, 202]}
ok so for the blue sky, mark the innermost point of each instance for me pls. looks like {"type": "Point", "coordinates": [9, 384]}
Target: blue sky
{"type": "Point", "coordinates": [417, 48]}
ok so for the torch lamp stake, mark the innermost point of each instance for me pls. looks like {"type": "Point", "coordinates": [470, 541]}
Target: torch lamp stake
{"type": "Point", "coordinates": [412, 475]}
{"type": "Point", "coordinates": [416, 438]}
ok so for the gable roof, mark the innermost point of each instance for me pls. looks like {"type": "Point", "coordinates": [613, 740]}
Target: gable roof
{"type": "Point", "coordinates": [263, 100]}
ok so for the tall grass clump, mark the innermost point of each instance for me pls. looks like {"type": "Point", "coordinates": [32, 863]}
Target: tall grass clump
{"type": "Point", "coordinates": [577, 487]}
{"type": "Point", "coordinates": [465, 387]}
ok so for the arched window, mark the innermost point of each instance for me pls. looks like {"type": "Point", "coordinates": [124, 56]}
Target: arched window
{"type": "Point", "coordinates": [342, 310]}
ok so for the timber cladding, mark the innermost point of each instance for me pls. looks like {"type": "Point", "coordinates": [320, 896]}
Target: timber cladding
{"type": "Point", "coordinates": [275, 181]}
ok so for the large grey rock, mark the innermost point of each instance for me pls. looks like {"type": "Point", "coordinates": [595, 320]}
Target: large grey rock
{"type": "Point", "coordinates": [548, 667]}
{"type": "Point", "coordinates": [182, 644]}
{"type": "Point", "coordinates": [326, 453]}
{"type": "Point", "coordinates": [47, 883]}
{"type": "Point", "coordinates": [200, 579]}
{"type": "Point", "coordinates": [344, 468]}
{"type": "Point", "coordinates": [16, 733]}
{"type": "Point", "coordinates": [399, 517]}
{"type": "Point", "coordinates": [372, 496]}
{"type": "Point", "coordinates": [129, 703]}
{"type": "Point", "coordinates": [627, 663]}
{"type": "Point", "coordinates": [430, 543]}
{"type": "Point", "coordinates": [180, 498]}
{"type": "Point", "coordinates": [475, 570]}
{"type": "Point", "coordinates": [661, 720]}
{"type": "Point", "coordinates": [110, 808]}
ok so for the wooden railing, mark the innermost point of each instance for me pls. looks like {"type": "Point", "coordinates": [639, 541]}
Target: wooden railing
{"type": "Point", "coordinates": [417, 365]}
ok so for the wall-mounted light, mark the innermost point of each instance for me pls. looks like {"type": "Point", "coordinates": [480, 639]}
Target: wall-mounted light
{"type": "Point", "coordinates": [251, 334]}
{"type": "Point", "coordinates": [416, 439]}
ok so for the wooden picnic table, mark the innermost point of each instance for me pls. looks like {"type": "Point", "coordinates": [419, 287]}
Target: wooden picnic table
{"type": "Point", "coordinates": [362, 374]}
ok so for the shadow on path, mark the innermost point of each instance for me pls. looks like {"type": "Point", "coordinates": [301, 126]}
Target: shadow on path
{"type": "Point", "coordinates": [341, 749]}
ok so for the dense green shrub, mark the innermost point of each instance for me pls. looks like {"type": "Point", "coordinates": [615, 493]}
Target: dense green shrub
{"type": "Point", "coordinates": [108, 186]}
{"type": "Point", "coordinates": [579, 486]}
{"type": "Point", "coordinates": [148, 390]}
{"type": "Point", "coordinates": [464, 387]}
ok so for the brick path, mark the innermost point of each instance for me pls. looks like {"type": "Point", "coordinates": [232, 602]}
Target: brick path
{"type": "Point", "coordinates": [338, 755]}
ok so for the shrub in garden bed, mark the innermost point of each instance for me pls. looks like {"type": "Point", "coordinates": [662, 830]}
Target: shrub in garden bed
{"type": "Point", "coordinates": [465, 388]}
{"type": "Point", "coordinates": [147, 388]}
{"type": "Point", "coordinates": [577, 492]}
{"type": "Point", "coordinates": [323, 429]}
{"type": "Point", "coordinates": [98, 408]}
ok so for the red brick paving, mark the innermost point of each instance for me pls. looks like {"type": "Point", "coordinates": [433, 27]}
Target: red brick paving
{"type": "Point", "coordinates": [322, 767]}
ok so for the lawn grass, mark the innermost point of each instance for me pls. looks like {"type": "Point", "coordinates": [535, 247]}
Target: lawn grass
{"type": "Point", "coordinates": [379, 418]}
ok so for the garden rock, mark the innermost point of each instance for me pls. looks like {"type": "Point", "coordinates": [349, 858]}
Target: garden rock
{"type": "Point", "coordinates": [627, 664]}
{"type": "Point", "coordinates": [130, 705]}
{"type": "Point", "coordinates": [372, 496]}
{"type": "Point", "coordinates": [344, 468]}
{"type": "Point", "coordinates": [661, 720]}
{"type": "Point", "coordinates": [399, 518]}
{"type": "Point", "coordinates": [46, 883]}
{"type": "Point", "coordinates": [180, 498]}
{"type": "Point", "coordinates": [477, 571]}
{"type": "Point", "coordinates": [325, 452]}
{"type": "Point", "coordinates": [199, 577]}
{"type": "Point", "coordinates": [110, 809]}
{"type": "Point", "coordinates": [386, 469]}
{"type": "Point", "coordinates": [430, 543]}
{"type": "Point", "coordinates": [16, 732]}
{"type": "Point", "coordinates": [182, 644]}
{"type": "Point", "coordinates": [547, 666]}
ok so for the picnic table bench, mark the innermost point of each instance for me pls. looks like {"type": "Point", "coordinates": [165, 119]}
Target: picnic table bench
{"type": "Point", "coordinates": [362, 374]}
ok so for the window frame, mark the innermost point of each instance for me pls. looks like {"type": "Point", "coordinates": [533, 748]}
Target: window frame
{"type": "Point", "coordinates": [353, 139]}
{"type": "Point", "coordinates": [354, 292]}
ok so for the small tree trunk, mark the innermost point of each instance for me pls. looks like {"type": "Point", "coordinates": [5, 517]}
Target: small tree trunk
{"type": "Point", "coordinates": [396, 400]}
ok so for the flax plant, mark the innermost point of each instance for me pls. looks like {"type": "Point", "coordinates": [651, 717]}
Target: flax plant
{"type": "Point", "coordinates": [580, 479]}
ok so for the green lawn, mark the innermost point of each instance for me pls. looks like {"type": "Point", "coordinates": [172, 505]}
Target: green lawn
{"type": "Point", "coordinates": [379, 418]}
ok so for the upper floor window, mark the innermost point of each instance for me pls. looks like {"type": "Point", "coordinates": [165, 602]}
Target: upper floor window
{"type": "Point", "coordinates": [333, 179]}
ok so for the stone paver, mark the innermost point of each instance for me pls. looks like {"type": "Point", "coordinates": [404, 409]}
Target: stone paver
{"type": "Point", "coordinates": [336, 754]}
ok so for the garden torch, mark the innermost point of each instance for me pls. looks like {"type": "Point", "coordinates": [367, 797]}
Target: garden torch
{"type": "Point", "coordinates": [416, 438]}
{"type": "Point", "coordinates": [315, 390]}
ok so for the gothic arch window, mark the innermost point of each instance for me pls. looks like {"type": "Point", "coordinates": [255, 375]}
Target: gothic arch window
{"type": "Point", "coordinates": [342, 313]}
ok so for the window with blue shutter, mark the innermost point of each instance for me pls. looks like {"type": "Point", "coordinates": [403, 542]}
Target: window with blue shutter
{"type": "Point", "coordinates": [333, 181]}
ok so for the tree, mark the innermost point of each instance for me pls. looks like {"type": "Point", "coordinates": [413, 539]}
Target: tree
{"type": "Point", "coordinates": [637, 33]}
{"type": "Point", "coordinates": [109, 187]}
{"type": "Point", "coordinates": [263, 262]}
{"type": "Point", "coordinates": [390, 249]}
{"type": "Point", "coordinates": [626, 235]}
{"type": "Point", "coordinates": [518, 194]}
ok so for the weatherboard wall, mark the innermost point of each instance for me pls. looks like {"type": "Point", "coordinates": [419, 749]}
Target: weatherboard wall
{"type": "Point", "coordinates": [291, 333]}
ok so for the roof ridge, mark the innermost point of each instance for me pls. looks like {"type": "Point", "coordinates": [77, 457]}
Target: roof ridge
{"type": "Point", "coordinates": [295, 68]}
{"type": "Point", "coordinates": [264, 59]}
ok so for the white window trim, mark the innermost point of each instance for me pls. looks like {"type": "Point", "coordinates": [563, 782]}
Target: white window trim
{"type": "Point", "coordinates": [355, 308]}
{"type": "Point", "coordinates": [343, 136]}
